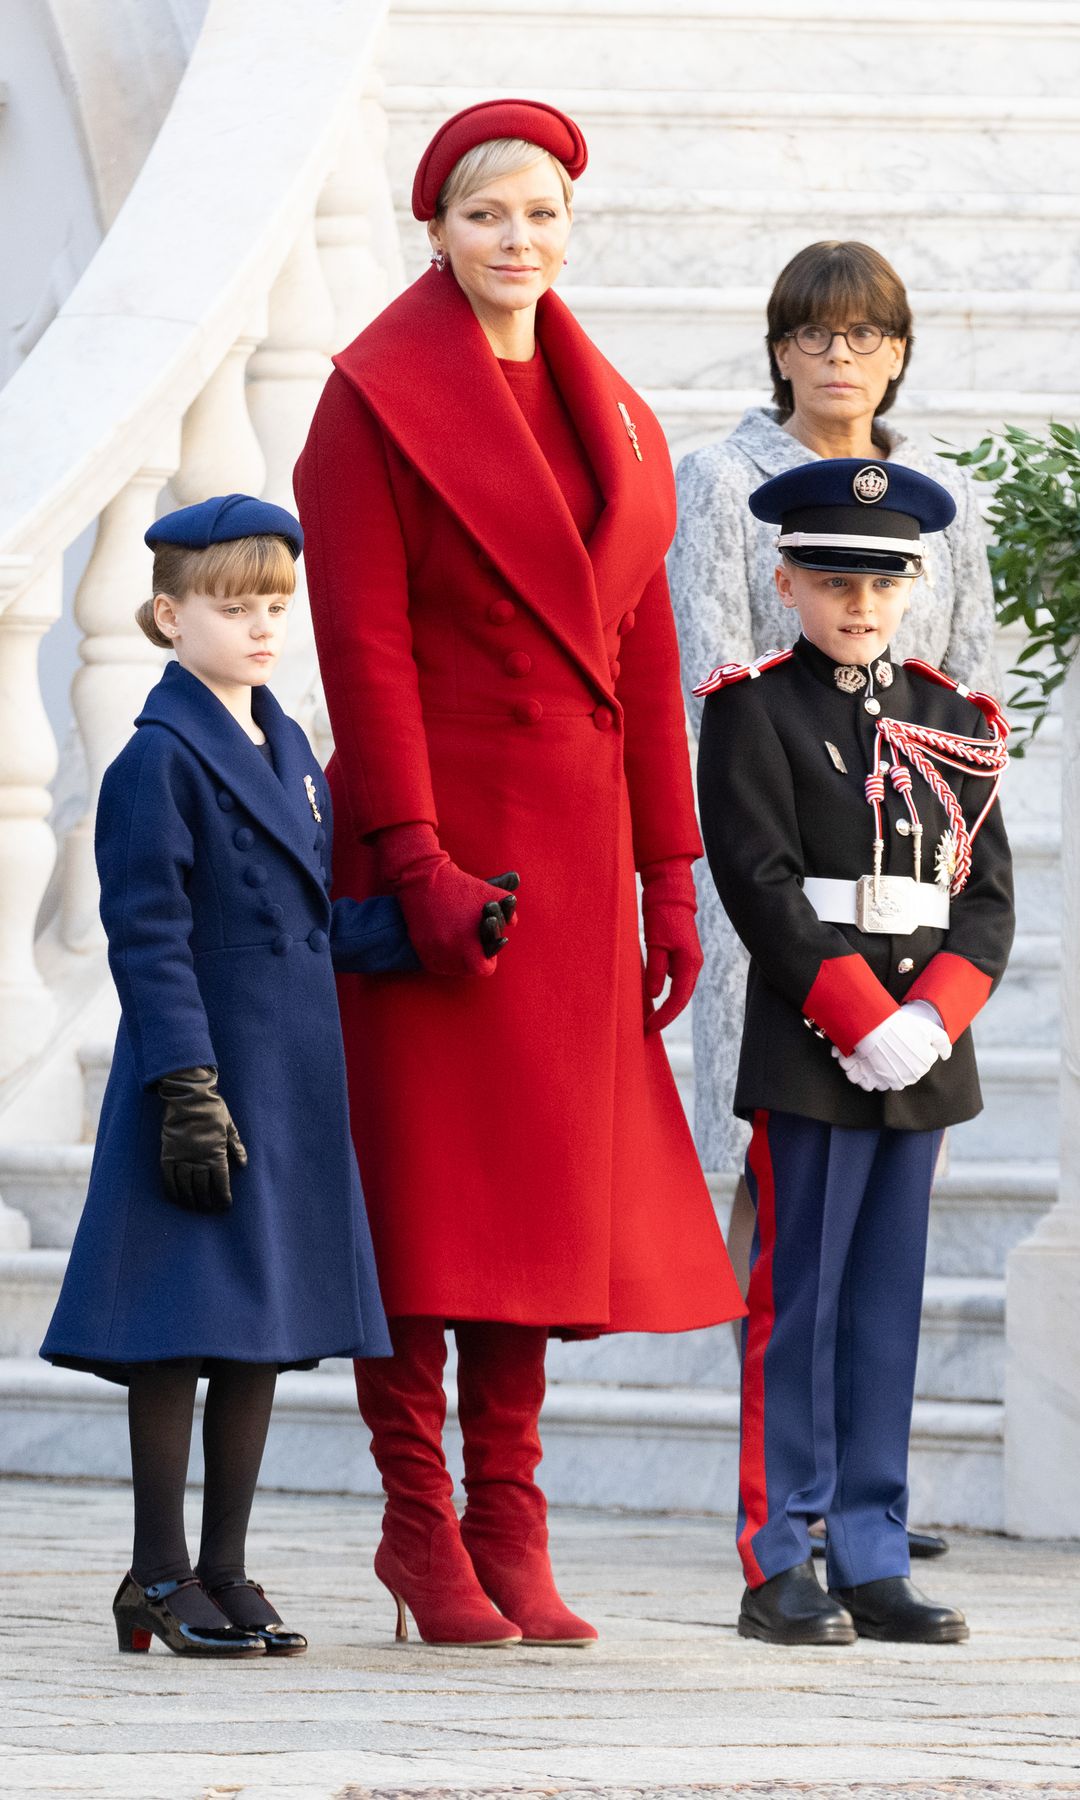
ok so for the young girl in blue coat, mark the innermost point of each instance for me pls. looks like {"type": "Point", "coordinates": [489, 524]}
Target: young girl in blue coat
{"type": "Point", "coordinates": [224, 1232]}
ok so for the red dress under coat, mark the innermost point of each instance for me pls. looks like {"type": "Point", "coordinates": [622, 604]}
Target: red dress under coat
{"type": "Point", "coordinates": [522, 1145]}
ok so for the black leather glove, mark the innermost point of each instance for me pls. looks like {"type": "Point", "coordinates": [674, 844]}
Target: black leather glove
{"type": "Point", "coordinates": [498, 913]}
{"type": "Point", "coordinates": [197, 1139]}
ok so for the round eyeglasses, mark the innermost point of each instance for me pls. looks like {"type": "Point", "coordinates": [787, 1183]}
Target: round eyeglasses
{"type": "Point", "coordinates": [814, 340]}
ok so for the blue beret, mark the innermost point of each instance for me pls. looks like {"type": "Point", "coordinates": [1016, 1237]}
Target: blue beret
{"type": "Point", "coordinates": [844, 514]}
{"type": "Point", "coordinates": [224, 518]}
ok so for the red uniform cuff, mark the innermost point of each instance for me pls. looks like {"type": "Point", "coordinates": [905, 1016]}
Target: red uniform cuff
{"type": "Point", "coordinates": [956, 987]}
{"type": "Point", "coordinates": [847, 1000]}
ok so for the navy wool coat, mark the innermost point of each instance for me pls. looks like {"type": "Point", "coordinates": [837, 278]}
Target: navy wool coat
{"type": "Point", "coordinates": [223, 944]}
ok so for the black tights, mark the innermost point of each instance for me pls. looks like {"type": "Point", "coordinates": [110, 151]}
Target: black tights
{"type": "Point", "coordinates": [161, 1407]}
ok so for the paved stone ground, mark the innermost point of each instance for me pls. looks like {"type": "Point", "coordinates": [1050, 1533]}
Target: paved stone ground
{"type": "Point", "coordinates": [673, 1705]}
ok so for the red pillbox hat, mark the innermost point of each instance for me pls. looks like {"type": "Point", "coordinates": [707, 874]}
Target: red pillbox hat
{"type": "Point", "coordinates": [532, 120]}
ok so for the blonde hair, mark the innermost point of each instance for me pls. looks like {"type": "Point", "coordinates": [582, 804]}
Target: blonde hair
{"type": "Point", "coordinates": [487, 161]}
{"type": "Point", "coordinates": [247, 565]}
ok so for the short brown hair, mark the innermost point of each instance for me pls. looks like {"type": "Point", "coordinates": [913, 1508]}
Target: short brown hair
{"type": "Point", "coordinates": [836, 283]}
{"type": "Point", "coordinates": [247, 565]}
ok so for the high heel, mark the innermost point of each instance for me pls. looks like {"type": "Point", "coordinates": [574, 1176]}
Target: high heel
{"type": "Point", "coordinates": [142, 1613]}
{"type": "Point", "coordinates": [278, 1638]}
{"type": "Point", "coordinates": [446, 1600]}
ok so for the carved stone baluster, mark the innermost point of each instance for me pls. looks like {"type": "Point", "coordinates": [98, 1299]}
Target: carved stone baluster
{"type": "Point", "coordinates": [351, 228]}
{"type": "Point", "coordinates": [219, 451]}
{"type": "Point", "coordinates": [119, 666]}
{"type": "Point", "coordinates": [27, 846]}
{"type": "Point", "coordinates": [286, 375]}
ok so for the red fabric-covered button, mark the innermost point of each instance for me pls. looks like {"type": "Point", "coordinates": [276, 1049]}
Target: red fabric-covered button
{"type": "Point", "coordinates": [626, 623]}
{"type": "Point", "coordinates": [500, 612]}
{"type": "Point", "coordinates": [517, 664]}
{"type": "Point", "coordinates": [528, 712]}
{"type": "Point", "coordinates": [603, 718]}
{"type": "Point", "coordinates": [616, 668]}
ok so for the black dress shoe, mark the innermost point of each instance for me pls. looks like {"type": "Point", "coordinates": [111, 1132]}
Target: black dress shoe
{"type": "Point", "coordinates": [278, 1638]}
{"type": "Point", "coordinates": [895, 1610]}
{"type": "Point", "coordinates": [142, 1613]}
{"type": "Point", "coordinates": [791, 1608]}
{"type": "Point", "coordinates": [920, 1544]}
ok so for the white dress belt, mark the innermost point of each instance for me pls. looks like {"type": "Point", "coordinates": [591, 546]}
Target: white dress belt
{"type": "Point", "coordinates": [902, 904]}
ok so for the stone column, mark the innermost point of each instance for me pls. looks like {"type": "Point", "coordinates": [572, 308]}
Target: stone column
{"type": "Point", "coordinates": [1042, 1381]}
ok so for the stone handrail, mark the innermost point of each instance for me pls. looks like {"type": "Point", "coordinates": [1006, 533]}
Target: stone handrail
{"type": "Point", "coordinates": [257, 236]}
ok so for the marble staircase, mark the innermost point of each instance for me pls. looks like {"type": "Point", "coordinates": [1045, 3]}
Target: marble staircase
{"type": "Point", "coordinates": [723, 137]}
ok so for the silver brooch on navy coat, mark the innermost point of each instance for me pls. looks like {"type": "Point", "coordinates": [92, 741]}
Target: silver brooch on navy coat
{"type": "Point", "coordinates": [313, 802]}
{"type": "Point", "coordinates": [883, 674]}
{"type": "Point", "coordinates": [849, 678]}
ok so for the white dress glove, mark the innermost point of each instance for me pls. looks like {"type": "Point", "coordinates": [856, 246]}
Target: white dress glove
{"type": "Point", "coordinates": [899, 1051]}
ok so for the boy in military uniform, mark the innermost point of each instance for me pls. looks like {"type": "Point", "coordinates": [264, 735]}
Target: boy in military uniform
{"type": "Point", "coordinates": [849, 816]}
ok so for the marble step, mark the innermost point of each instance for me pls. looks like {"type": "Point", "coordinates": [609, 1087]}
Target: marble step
{"type": "Point", "coordinates": [788, 46]}
{"type": "Point", "coordinates": [654, 1449]}
{"type": "Point", "coordinates": [709, 337]}
{"type": "Point", "coordinates": [849, 141]}
{"type": "Point", "coordinates": [693, 416]}
{"type": "Point", "coordinates": [978, 1211]}
{"type": "Point", "coordinates": [961, 1357]}
{"type": "Point", "coordinates": [47, 1184]}
{"type": "Point", "coordinates": [733, 236]}
{"type": "Point", "coordinates": [1020, 1104]}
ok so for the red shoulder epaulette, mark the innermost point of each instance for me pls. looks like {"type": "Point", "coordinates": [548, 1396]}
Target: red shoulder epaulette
{"type": "Point", "coordinates": [986, 703]}
{"type": "Point", "coordinates": [729, 673]}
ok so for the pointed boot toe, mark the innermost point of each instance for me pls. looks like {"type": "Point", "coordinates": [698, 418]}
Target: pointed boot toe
{"type": "Point", "coordinates": [518, 1577]}
{"type": "Point", "coordinates": [446, 1600]}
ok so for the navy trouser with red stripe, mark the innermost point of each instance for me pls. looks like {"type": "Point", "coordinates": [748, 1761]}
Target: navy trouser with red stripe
{"type": "Point", "coordinates": [829, 1346]}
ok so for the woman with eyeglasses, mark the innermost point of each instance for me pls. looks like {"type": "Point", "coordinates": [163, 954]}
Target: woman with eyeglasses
{"type": "Point", "coordinates": [839, 341]}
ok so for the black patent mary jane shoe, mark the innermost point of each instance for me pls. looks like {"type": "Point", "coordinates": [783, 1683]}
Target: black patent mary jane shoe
{"type": "Point", "coordinates": [143, 1613]}
{"type": "Point", "coordinates": [792, 1608]}
{"type": "Point", "coordinates": [894, 1610]}
{"type": "Point", "coordinates": [278, 1638]}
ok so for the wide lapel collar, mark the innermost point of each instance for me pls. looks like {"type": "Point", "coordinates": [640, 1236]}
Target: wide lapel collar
{"type": "Point", "coordinates": [427, 372]}
{"type": "Point", "coordinates": [277, 800]}
{"type": "Point", "coordinates": [633, 532]}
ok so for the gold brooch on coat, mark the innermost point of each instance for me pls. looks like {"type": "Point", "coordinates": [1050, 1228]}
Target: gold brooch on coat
{"type": "Point", "coordinates": [849, 678]}
{"type": "Point", "coordinates": [631, 431]}
{"type": "Point", "coordinates": [309, 789]}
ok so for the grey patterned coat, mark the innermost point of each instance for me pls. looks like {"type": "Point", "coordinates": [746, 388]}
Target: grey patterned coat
{"type": "Point", "coordinates": [727, 610]}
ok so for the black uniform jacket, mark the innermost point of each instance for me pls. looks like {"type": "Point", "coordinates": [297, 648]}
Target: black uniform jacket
{"type": "Point", "coordinates": [775, 808]}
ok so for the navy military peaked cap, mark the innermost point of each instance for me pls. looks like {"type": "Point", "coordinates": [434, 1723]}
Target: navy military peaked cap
{"type": "Point", "coordinates": [224, 518]}
{"type": "Point", "coordinates": [844, 515]}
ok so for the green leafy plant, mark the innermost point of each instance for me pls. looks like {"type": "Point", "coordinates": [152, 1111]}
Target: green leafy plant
{"type": "Point", "coordinates": [1035, 556]}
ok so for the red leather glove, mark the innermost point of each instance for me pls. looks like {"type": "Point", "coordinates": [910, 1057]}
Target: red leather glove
{"type": "Point", "coordinates": [668, 905]}
{"type": "Point", "coordinates": [442, 905]}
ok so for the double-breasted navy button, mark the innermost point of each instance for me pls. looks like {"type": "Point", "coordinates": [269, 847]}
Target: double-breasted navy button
{"type": "Point", "coordinates": [243, 837]}
{"type": "Point", "coordinates": [603, 718]}
{"type": "Point", "coordinates": [500, 612]}
{"type": "Point", "coordinates": [317, 939]}
{"type": "Point", "coordinates": [225, 801]}
{"type": "Point", "coordinates": [517, 664]}
{"type": "Point", "coordinates": [281, 943]}
{"type": "Point", "coordinates": [271, 912]}
{"type": "Point", "coordinates": [528, 712]}
{"type": "Point", "coordinates": [255, 875]}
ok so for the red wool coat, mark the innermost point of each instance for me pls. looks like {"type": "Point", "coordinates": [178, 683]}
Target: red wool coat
{"type": "Point", "coordinates": [522, 1146]}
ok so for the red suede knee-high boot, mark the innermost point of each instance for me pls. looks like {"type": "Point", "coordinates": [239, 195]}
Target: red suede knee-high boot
{"type": "Point", "coordinates": [500, 1393]}
{"type": "Point", "coordinates": [421, 1557]}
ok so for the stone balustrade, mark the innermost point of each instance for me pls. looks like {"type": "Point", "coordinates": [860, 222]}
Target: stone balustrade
{"type": "Point", "coordinates": [187, 361]}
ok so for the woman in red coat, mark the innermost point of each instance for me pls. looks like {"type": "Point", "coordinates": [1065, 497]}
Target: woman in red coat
{"type": "Point", "coordinates": [486, 506]}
